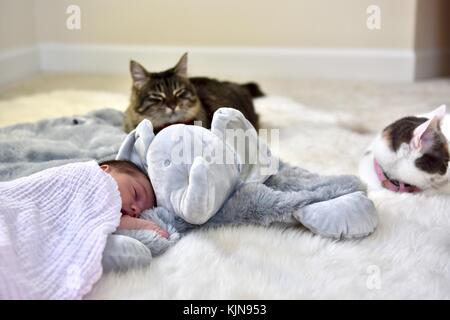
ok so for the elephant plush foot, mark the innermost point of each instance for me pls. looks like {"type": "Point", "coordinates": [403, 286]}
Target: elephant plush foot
{"type": "Point", "coordinates": [349, 216]}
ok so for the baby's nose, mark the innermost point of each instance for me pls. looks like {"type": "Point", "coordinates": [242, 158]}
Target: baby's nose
{"type": "Point", "coordinates": [134, 210]}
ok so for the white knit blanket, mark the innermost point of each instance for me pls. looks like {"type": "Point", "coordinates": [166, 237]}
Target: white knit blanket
{"type": "Point", "coordinates": [53, 229]}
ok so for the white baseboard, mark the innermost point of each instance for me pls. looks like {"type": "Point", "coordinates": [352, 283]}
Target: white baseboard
{"type": "Point", "coordinates": [17, 64]}
{"type": "Point", "coordinates": [363, 64]}
{"type": "Point", "coordinates": [358, 64]}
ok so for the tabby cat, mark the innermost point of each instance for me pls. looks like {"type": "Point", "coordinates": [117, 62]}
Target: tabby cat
{"type": "Point", "coordinates": [171, 97]}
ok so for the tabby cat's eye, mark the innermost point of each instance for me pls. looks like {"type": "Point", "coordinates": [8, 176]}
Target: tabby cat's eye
{"type": "Point", "coordinates": [143, 107]}
{"type": "Point", "coordinates": [154, 100]}
{"type": "Point", "coordinates": [156, 96]}
{"type": "Point", "coordinates": [182, 94]}
{"type": "Point", "coordinates": [149, 101]}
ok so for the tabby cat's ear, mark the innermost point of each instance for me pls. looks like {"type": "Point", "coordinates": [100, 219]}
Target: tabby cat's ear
{"type": "Point", "coordinates": [139, 75]}
{"type": "Point", "coordinates": [181, 68]}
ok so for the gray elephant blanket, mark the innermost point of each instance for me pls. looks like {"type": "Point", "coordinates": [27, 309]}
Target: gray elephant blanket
{"type": "Point", "coordinates": [333, 206]}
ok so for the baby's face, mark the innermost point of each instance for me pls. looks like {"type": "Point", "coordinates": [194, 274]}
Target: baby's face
{"type": "Point", "coordinates": [135, 190]}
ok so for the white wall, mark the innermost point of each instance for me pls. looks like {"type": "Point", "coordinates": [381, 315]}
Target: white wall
{"type": "Point", "coordinates": [276, 38]}
{"type": "Point", "coordinates": [230, 23]}
{"type": "Point", "coordinates": [18, 51]}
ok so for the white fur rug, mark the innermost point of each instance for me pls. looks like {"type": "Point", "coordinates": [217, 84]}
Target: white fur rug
{"type": "Point", "coordinates": [408, 257]}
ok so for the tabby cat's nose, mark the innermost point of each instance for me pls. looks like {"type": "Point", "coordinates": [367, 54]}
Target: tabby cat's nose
{"type": "Point", "coordinates": [173, 108]}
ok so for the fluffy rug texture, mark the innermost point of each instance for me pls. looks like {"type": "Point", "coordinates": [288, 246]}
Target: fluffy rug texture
{"type": "Point", "coordinates": [408, 256]}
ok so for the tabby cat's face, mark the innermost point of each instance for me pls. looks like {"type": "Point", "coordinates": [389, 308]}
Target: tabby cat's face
{"type": "Point", "coordinates": [165, 97]}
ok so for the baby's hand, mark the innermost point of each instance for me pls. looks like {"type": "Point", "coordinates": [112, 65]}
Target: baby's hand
{"type": "Point", "coordinates": [130, 223]}
{"type": "Point", "coordinates": [149, 225]}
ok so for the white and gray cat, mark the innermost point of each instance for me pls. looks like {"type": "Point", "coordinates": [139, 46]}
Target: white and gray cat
{"type": "Point", "coordinates": [410, 155]}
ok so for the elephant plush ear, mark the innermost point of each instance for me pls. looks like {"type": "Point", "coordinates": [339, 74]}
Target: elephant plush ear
{"type": "Point", "coordinates": [254, 156]}
{"type": "Point", "coordinates": [135, 146]}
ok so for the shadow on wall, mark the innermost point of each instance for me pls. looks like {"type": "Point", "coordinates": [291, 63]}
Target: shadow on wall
{"type": "Point", "coordinates": [444, 34]}
{"type": "Point", "coordinates": [432, 40]}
